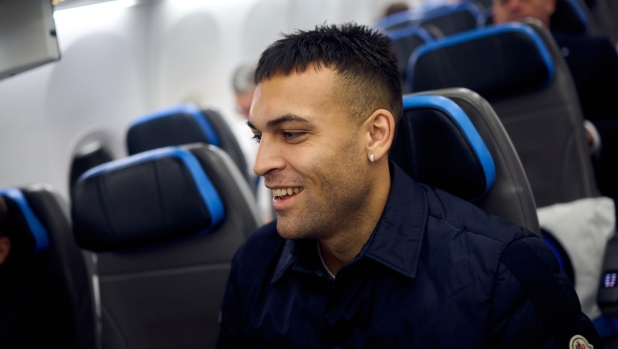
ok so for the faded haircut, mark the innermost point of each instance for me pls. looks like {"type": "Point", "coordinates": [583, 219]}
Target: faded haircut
{"type": "Point", "coordinates": [363, 59]}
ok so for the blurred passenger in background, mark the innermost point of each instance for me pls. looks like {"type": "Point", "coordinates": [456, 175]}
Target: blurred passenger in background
{"type": "Point", "coordinates": [29, 315]}
{"type": "Point", "coordinates": [244, 88]}
{"type": "Point", "coordinates": [593, 63]}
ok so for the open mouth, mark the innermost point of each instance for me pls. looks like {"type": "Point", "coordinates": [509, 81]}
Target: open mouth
{"type": "Point", "coordinates": [284, 193]}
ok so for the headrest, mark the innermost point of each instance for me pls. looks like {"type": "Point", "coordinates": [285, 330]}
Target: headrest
{"type": "Point", "coordinates": [183, 124]}
{"type": "Point", "coordinates": [454, 18]}
{"type": "Point", "coordinates": [495, 61]}
{"type": "Point", "coordinates": [148, 198]}
{"type": "Point", "coordinates": [569, 17]}
{"type": "Point", "coordinates": [405, 41]}
{"type": "Point", "coordinates": [411, 31]}
{"type": "Point", "coordinates": [395, 20]}
{"type": "Point", "coordinates": [28, 236]}
{"type": "Point", "coordinates": [437, 144]}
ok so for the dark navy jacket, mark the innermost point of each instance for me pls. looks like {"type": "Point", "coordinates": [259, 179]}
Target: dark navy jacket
{"type": "Point", "coordinates": [430, 276]}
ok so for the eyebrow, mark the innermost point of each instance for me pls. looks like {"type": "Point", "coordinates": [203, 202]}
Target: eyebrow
{"type": "Point", "coordinates": [281, 119]}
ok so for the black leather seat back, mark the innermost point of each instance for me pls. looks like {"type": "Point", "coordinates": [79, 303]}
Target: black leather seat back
{"type": "Point", "coordinates": [165, 225]}
{"type": "Point", "coordinates": [518, 68]}
{"type": "Point", "coordinates": [452, 139]}
{"type": "Point", "coordinates": [42, 242]}
{"type": "Point", "coordinates": [405, 41]}
{"type": "Point", "coordinates": [569, 17]}
{"type": "Point", "coordinates": [184, 124]}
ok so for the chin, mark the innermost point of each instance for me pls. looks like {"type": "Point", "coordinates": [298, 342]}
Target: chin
{"type": "Point", "coordinates": [293, 229]}
{"type": "Point", "coordinates": [287, 230]}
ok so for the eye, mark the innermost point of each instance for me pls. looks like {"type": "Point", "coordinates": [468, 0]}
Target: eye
{"type": "Point", "coordinates": [293, 135]}
{"type": "Point", "coordinates": [257, 137]}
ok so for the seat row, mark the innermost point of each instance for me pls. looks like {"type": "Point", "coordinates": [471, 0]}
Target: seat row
{"type": "Point", "coordinates": [410, 30]}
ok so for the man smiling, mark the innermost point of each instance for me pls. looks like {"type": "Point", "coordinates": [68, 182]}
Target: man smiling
{"type": "Point", "coordinates": [361, 256]}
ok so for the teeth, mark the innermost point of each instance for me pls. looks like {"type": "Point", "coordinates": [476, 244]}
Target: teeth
{"type": "Point", "coordinates": [287, 191]}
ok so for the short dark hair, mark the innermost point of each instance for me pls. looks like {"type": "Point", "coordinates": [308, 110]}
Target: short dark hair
{"type": "Point", "coordinates": [363, 58]}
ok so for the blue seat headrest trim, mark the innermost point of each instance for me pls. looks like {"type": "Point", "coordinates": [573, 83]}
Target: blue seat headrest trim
{"type": "Point", "coordinates": [190, 109]}
{"type": "Point", "coordinates": [606, 326]}
{"type": "Point", "coordinates": [207, 190]}
{"type": "Point", "coordinates": [394, 19]}
{"type": "Point", "coordinates": [410, 31]}
{"type": "Point", "coordinates": [39, 233]}
{"type": "Point", "coordinates": [581, 15]}
{"type": "Point", "coordinates": [482, 33]}
{"type": "Point", "coordinates": [556, 252]}
{"type": "Point", "coordinates": [452, 8]}
{"type": "Point", "coordinates": [452, 109]}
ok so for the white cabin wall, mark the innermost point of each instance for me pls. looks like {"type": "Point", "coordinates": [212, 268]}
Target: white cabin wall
{"type": "Point", "coordinates": [119, 62]}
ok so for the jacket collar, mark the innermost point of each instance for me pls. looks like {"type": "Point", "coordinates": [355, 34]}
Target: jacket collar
{"type": "Point", "coordinates": [395, 242]}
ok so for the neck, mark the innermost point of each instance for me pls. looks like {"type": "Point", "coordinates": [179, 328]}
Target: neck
{"type": "Point", "coordinates": [340, 248]}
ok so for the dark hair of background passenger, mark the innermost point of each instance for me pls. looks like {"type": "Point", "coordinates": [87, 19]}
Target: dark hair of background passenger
{"type": "Point", "coordinates": [362, 58]}
{"type": "Point", "coordinates": [396, 8]}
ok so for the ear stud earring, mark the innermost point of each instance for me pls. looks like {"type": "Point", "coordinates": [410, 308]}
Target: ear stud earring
{"type": "Point", "coordinates": [372, 158]}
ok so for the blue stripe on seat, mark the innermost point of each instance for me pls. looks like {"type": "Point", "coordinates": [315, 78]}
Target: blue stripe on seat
{"type": "Point", "coordinates": [410, 31]}
{"type": "Point", "coordinates": [452, 8]}
{"type": "Point", "coordinates": [204, 185]}
{"type": "Point", "coordinates": [580, 13]}
{"type": "Point", "coordinates": [39, 233]}
{"type": "Point", "coordinates": [606, 326]}
{"type": "Point", "coordinates": [394, 19]}
{"type": "Point", "coordinates": [460, 117]}
{"type": "Point", "coordinates": [556, 252]}
{"type": "Point", "coordinates": [190, 109]}
{"type": "Point", "coordinates": [478, 34]}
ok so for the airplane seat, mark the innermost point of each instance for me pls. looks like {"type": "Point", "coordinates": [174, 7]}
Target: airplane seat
{"type": "Point", "coordinates": [165, 225]}
{"type": "Point", "coordinates": [481, 164]}
{"type": "Point", "coordinates": [405, 41]}
{"type": "Point", "coordinates": [564, 260]}
{"type": "Point", "coordinates": [453, 19]}
{"type": "Point", "coordinates": [46, 257]}
{"type": "Point", "coordinates": [482, 4]}
{"type": "Point", "coordinates": [569, 17]}
{"type": "Point", "coordinates": [184, 124]}
{"type": "Point", "coordinates": [489, 19]}
{"type": "Point", "coordinates": [518, 68]}
{"type": "Point", "coordinates": [396, 21]}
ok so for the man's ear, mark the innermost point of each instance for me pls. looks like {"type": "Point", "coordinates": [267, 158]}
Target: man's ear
{"type": "Point", "coordinates": [380, 128]}
{"type": "Point", "coordinates": [5, 248]}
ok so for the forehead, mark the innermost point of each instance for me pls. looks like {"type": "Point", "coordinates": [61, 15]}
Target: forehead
{"type": "Point", "coordinates": [312, 94]}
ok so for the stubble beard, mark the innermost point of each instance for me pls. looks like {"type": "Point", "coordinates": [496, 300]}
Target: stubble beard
{"type": "Point", "coordinates": [345, 192]}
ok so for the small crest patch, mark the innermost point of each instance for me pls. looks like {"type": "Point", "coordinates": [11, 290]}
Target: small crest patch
{"type": "Point", "coordinates": [579, 342]}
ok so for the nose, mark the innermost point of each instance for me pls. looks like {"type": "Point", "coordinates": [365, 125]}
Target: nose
{"type": "Point", "coordinates": [268, 158]}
